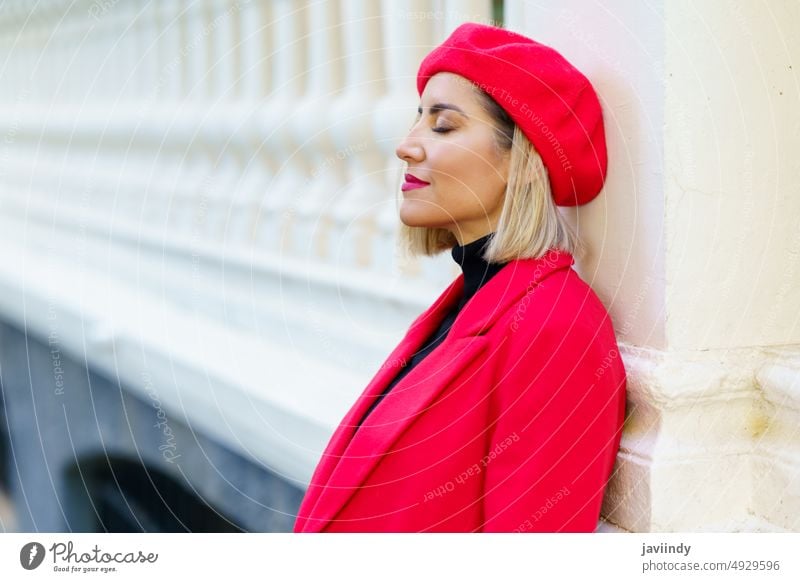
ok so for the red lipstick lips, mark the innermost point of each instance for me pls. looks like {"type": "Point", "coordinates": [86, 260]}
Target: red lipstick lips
{"type": "Point", "coordinates": [412, 183]}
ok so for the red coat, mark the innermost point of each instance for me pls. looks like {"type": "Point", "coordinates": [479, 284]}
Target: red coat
{"type": "Point", "coordinates": [512, 423]}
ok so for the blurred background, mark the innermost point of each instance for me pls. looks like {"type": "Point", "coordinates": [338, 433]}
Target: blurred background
{"type": "Point", "coordinates": [199, 271]}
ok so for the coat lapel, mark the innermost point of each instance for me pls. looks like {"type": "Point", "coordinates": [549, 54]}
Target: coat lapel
{"type": "Point", "coordinates": [409, 399]}
{"type": "Point", "coordinates": [417, 333]}
{"type": "Point", "coordinates": [351, 455]}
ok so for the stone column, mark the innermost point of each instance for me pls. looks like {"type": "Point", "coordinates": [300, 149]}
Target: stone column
{"type": "Point", "coordinates": [694, 247]}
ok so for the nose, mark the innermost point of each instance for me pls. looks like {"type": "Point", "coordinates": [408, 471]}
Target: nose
{"type": "Point", "coordinates": [410, 148]}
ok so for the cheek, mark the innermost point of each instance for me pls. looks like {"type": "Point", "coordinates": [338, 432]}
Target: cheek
{"type": "Point", "coordinates": [458, 165]}
{"type": "Point", "coordinates": [473, 173]}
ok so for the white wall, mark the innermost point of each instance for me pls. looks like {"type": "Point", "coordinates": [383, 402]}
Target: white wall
{"type": "Point", "coordinates": [695, 249]}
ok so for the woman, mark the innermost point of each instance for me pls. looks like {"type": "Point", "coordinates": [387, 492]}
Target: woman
{"type": "Point", "coordinates": [502, 407]}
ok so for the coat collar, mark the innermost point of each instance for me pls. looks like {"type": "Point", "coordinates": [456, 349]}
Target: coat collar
{"type": "Point", "coordinates": [351, 455]}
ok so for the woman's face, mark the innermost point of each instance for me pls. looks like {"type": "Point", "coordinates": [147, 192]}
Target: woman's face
{"type": "Point", "coordinates": [451, 146]}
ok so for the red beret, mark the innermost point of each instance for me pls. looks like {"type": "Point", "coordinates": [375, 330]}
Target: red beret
{"type": "Point", "coordinates": [552, 102]}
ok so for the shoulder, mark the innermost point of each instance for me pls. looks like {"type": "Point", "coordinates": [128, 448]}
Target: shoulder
{"type": "Point", "coordinates": [557, 348]}
{"type": "Point", "coordinates": [562, 298]}
{"type": "Point", "coordinates": [560, 313]}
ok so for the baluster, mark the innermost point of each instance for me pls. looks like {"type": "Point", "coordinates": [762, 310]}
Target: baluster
{"type": "Point", "coordinates": [31, 46]}
{"type": "Point", "coordinates": [197, 50]}
{"type": "Point", "coordinates": [197, 165]}
{"type": "Point", "coordinates": [224, 61]}
{"type": "Point", "coordinates": [128, 73]}
{"type": "Point", "coordinates": [256, 31]}
{"type": "Point", "coordinates": [353, 131]}
{"type": "Point", "coordinates": [223, 116]}
{"type": "Point", "coordinates": [151, 42]}
{"type": "Point", "coordinates": [138, 31]}
{"type": "Point", "coordinates": [457, 12]}
{"type": "Point", "coordinates": [43, 83]}
{"type": "Point", "coordinates": [276, 215]}
{"type": "Point", "coordinates": [170, 70]}
{"type": "Point", "coordinates": [118, 41]}
{"type": "Point", "coordinates": [311, 122]}
{"type": "Point", "coordinates": [514, 16]}
{"type": "Point", "coordinates": [408, 38]}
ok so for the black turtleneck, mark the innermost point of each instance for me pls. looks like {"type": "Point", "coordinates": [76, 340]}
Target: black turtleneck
{"type": "Point", "coordinates": [477, 273]}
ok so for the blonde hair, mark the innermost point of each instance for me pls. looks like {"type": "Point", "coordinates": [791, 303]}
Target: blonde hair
{"type": "Point", "coordinates": [530, 223]}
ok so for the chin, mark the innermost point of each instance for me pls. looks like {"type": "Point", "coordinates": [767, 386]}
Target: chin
{"type": "Point", "coordinates": [415, 213]}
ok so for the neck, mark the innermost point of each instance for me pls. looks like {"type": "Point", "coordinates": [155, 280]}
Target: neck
{"type": "Point", "coordinates": [464, 238]}
{"type": "Point", "coordinates": [477, 271]}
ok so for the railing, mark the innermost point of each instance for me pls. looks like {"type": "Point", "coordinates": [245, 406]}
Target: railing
{"type": "Point", "coordinates": [205, 191]}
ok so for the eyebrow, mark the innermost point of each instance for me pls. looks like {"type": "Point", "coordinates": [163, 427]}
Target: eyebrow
{"type": "Point", "coordinates": [437, 107]}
